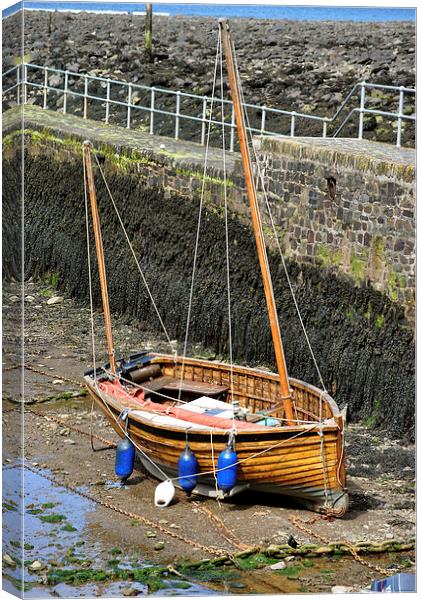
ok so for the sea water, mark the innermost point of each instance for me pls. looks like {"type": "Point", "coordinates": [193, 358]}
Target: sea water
{"type": "Point", "coordinates": [256, 11]}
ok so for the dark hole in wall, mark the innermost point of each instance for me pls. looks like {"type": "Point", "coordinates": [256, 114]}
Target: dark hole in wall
{"type": "Point", "coordinates": [332, 187]}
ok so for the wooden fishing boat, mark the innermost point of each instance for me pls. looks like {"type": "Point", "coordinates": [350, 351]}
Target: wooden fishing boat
{"type": "Point", "coordinates": [287, 435]}
{"type": "Point", "coordinates": [305, 460]}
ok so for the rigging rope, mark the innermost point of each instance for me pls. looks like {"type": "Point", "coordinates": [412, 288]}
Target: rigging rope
{"type": "Point", "coordinates": [198, 229]}
{"type": "Point", "coordinates": [226, 225]}
{"type": "Point", "coordinates": [134, 255]}
{"type": "Point", "coordinates": [260, 179]}
{"type": "Point", "coordinates": [260, 176]}
{"type": "Point", "coordinates": [91, 303]}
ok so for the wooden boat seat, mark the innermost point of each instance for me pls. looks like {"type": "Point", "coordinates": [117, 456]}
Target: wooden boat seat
{"type": "Point", "coordinates": [171, 384]}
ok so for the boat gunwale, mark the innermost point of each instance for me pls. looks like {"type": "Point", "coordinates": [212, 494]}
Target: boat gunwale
{"type": "Point", "coordinates": [298, 383]}
{"type": "Point", "coordinates": [303, 428]}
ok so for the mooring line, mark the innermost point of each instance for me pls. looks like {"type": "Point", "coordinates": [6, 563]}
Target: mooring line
{"type": "Point", "coordinates": [45, 373]}
{"type": "Point", "coordinates": [55, 419]}
{"type": "Point", "coordinates": [227, 533]}
{"type": "Point", "coordinates": [127, 513]}
{"type": "Point", "coordinates": [301, 524]}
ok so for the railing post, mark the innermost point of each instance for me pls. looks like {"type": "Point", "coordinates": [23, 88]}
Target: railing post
{"type": "Point", "coordinates": [399, 120]}
{"type": "Point", "coordinates": [324, 129]}
{"type": "Point", "coordinates": [263, 121]}
{"type": "Point", "coordinates": [66, 83]}
{"type": "Point", "coordinates": [293, 124]}
{"type": "Point", "coordinates": [45, 87]}
{"type": "Point", "coordinates": [86, 97]}
{"type": "Point", "coordinates": [25, 86]}
{"type": "Point", "coordinates": [129, 102]}
{"type": "Point", "coordinates": [176, 125]}
{"type": "Point", "coordinates": [204, 119]}
{"type": "Point", "coordinates": [151, 114]}
{"type": "Point", "coordinates": [232, 128]}
{"type": "Point", "coordinates": [361, 109]}
{"type": "Point", "coordinates": [18, 86]}
{"type": "Point", "coordinates": [107, 102]}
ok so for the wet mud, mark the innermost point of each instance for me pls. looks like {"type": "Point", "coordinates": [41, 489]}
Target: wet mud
{"type": "Point", "coordinates": [103, 552]}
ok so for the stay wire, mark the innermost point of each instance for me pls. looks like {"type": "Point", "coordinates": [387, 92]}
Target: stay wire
{"type": "Point", "coordinates": [226, 224]}
{"type": "Point", "coordinates": [261, 179]}
{"type": "Point", "coordinates": [198, 229]}
{"type": "Point", "coordinates": [91, 303]}
{"type": "Point", "coordinates": [134, 256]}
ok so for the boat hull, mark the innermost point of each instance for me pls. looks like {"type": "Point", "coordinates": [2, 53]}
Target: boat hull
{"type": "Point", "coordinates": [312, 498]}
{"type": "Point", "coordinates": [304, 460]}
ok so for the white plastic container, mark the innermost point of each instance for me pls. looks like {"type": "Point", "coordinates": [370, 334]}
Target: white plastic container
{"type": "Point", "coordinates": [164, 493]}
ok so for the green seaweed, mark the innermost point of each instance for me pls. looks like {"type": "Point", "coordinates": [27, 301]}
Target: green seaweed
{"type": "Point", "coordinates": [290, 571]}
{"type": "Point", "coordinates": [306, 562]}
{"type": "Point", "coordinates": [379, 321]}
{"type": "Point", "coordinates": [52, 518]}
{"type": "Point", "coordinates": [256, 561]}
{"type": "Point", "coordinates": [68, 527]}
{"type": "Point", "coordinates": [20, 584]}
{"type": "Point", "coordinates": [358, 268]}
{"type": "Point", "coordinates": [151, 577]}
{"type": "Point", "coordinates": [113, 562]}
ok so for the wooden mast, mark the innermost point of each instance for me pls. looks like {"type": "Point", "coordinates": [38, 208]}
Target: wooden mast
{"type": "Point", "coordinates": [256, 219]}
{"type": "Point", "coordinates": [100, 252]}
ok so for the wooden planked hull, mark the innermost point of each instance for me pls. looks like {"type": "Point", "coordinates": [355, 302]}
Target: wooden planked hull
{"type": "Point", "coordinates": [305, 460]}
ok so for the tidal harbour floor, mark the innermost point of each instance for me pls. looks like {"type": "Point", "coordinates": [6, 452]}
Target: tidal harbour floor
{"type": "Point", "coordinates": [108, 553]}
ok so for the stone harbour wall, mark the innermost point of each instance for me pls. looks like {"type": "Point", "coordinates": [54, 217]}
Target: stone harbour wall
{"type": "Point", "coordinates": [349, 206]}
{"type": "Point", "coordinates": [362, 338]}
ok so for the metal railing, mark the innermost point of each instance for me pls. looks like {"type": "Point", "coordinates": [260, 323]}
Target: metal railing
{"type": "Point", "coordinates": [30, 77]}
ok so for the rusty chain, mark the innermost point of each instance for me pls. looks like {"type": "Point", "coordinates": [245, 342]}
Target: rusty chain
{"type": "Point", "coordinates": [55, 419]}
{"type": "Point", "coordinates": [301, 524]}
{"type": "Point", "coordinates": [45, 373]}
{"type": "Point", "coordinates": [127, 513]}
{"type": "Point", "coordinates": [227, 533]}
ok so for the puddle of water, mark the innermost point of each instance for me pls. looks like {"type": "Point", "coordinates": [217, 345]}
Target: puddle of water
{"type": "Point", "coordinates": [53, 522]}
{"type": "Point", "coordinates": [58, 533]}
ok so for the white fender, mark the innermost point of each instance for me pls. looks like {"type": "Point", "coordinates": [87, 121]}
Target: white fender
{"type": "Point", "coordinates": [164, 493]}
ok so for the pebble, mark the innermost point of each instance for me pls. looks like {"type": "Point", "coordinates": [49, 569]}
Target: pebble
{"type": "Point", "coordinates": [8, 560]}
{"type": "Point", "coordinates": [159, 546]}
{"type": "Point", "coordinates": [130, 591]}
{"type": "Point", "coordinates": [341, 589]}
{"type": "Point", "coordinates": [279, 565]}
{"type": "Point", "coordinates": [29, 299]}
{"type": "Point", "coordinates": [55, 300]}
{"type": "Point", "coordinates": [57, 381]}
{"type": "Point", "coordinates": [69, 441]}
{"type": "Point", "coordinates": [14, 299]}
{"type": "Point", "coordinates": [36, 566]}
{"type": "Point", "coordinates": [151, 534]}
